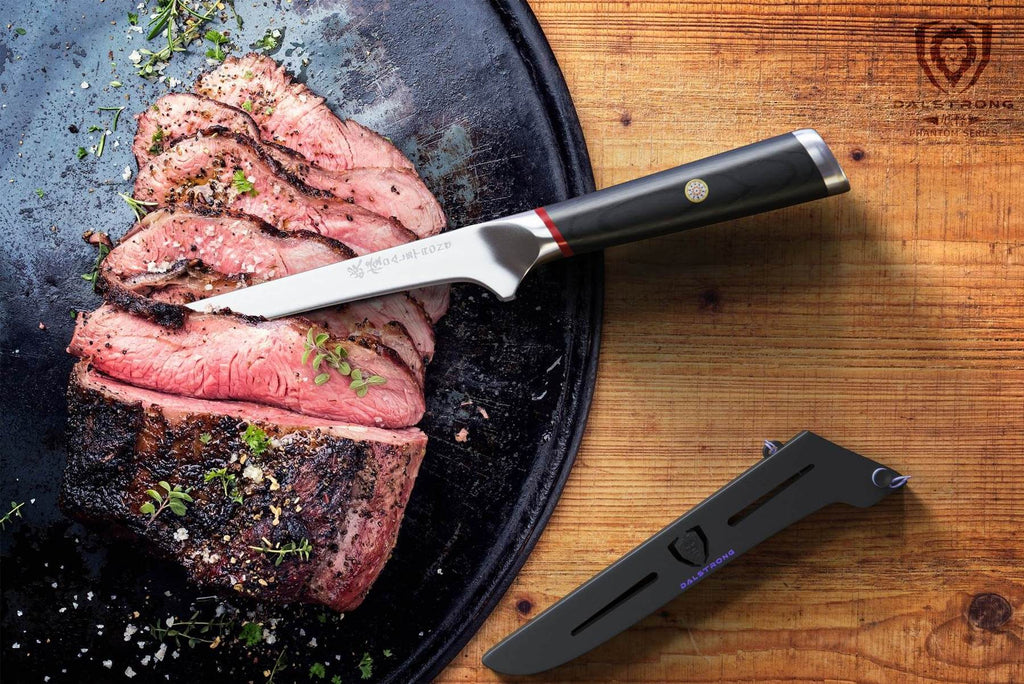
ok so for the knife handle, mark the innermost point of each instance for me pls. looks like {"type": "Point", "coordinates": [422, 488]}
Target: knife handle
{"type": "Point", "coordinates": [778, 172]}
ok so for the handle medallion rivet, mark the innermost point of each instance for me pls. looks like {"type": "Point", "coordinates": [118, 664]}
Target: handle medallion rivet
{"type": "Point", "coordinates": [696, 190]}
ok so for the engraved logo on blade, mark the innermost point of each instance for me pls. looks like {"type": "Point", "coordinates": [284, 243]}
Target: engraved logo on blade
{"type": "Point", "coordinates": [696, 190]}
{"type": "Point", "coordinates": [953, 54]}
{"type": "Point", "coordinates": [374, 263]}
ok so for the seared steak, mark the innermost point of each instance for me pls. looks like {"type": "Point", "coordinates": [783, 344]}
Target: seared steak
{"type": "Point", "coordinates": [343, 489]}
{"type": "Point", "coordinates": [179, 256]}
{"type": "Point", "coordinates": [288, 437]}
{"type": "Point", "coordinates": [291, 114]}
{"type": "Point", "coordinates": [233, 172]}
{"type": "Point", "coordinates": [226, 357]}
{"type": "Point", "coordinates": [391, 192]}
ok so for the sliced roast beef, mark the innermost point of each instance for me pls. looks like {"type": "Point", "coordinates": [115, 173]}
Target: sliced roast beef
{"type": "Point", "coordinates": [176, 256]}
{"type": "Point", "coordinates": [340, 489]}
{"type": "Point", "coordinates": [233, 172]}
{"type": "Point", "coordinates": [226, 357]}
{"type": "Point", "coordinates": [291, 114]}
{"type": "Point", "coordinates": [390, 192]}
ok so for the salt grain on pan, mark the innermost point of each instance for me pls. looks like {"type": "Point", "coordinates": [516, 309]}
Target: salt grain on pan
{"type": "Point", "coordinates": [130, 630]}
{"type": "Point", "coordinates": [127, 173]}
{"type": "Point", "coordinates": [180, 534]}
{"type": "Point", "coordinates": [84, 85]}
{"type": "Point", "coordinates": [160, 653]}
{"type": "Point", "coordinates": [129, 672]}
{"type": "Point", "coordinates": [145, 661]}
{"type": "Point", "coordinates": [108, 664]}
{"type": "Point", "coordinates": [135, 57]}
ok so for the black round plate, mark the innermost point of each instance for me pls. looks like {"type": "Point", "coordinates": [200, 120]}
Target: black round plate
{"type": "Point", "coordinates": [470, 90]}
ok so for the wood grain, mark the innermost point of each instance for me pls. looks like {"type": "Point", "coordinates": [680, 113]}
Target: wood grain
{"type": "Point", "coordinates": [890, 320]}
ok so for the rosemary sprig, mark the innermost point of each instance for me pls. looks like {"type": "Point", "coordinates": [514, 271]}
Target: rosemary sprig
{"type": "Point", "coordinates": [102, 250]}
{"type": "Point", "coordinates": [138, 207]}
{"type": "Point", "coordinates": [180, 24]}
{"type": "Point", "coordinates": [15, 512]}
{"type": "Point", "coordinates": [117, 115]}
{"type": "Point", "coordinates": [302, 549]}
{"type": "Point", "coordinates": [173, 498]}
{"type": "Point", "coordinates": [227, 480]}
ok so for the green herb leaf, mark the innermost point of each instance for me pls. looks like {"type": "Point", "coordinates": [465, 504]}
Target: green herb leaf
{"type": "Point", "coordinates": [139, 207]}
{"type": "Point", "coordinates": [321, 379]}
{"type": "Point", "coordinates": [20, 31]}
{"type": "Point", "coordinates": [366, 666]}
{"type": "Point", "coordinates": [133, 18]}
{"type": "Point", "coordinates": [165, 485]}
{"type": "Point", "coordinates": [247, 106]}
{"type": "Point", "coordinates": [153, 494]}
{"type": "Point", "coordinates": [251, 633]}
{"type": "Point", "coordinates": [336, 679]}
{"type": "Point", "coordinates": [81, 153]}
{"type": "Point", "coordinates": [39, 193]}
{"type": "Point", "coordinates": [147, 508]}
{"type": "Point", "coordinates": [177, 507]}
{"type": "Point", "coordinates": [243, 184]}
{"type": "Point", "coordinates": [386, 652]}
{"type": "Point", "coordinates": [256, 439]}
{"type": "Point", "coordinates": [317, 670]}
{"type": "Point", "coordinates": [116, 84]}
{"type": "Point", "coordinates": [93, 275]}
{"type": "Point", "coordinates": [205, 437]}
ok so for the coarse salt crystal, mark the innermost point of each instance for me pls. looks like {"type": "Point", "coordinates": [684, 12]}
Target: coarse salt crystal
{"type": "Point", "coordinates": [180, 534]}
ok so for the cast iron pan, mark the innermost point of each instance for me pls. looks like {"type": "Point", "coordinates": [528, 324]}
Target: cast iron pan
{"type": "Point", "coordinates": [470, 90]}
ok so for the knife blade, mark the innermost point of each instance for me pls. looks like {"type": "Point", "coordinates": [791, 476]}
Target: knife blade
{"type": "Point", "coordinates": [791, 482]}
{"type": "Point", "coordinates": [778, 172]}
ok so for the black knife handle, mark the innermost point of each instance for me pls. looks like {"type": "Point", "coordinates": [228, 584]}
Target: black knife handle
{"type": "Point", "coordinates": [777, 172]}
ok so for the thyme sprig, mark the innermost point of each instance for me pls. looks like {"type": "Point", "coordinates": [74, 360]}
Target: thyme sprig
{"type": "Point", "coordinates": [194, 631]}
{"type": "Point", "coordinates": [302, 549]}
{"type": "Point", "coordinates": [15, 512]}
{"type": "Point", "coordinates": [228, 482]}
{"type": "Point", "coordinates": [324, 357]}
{"type": "Point", "coordinates": [173, 498]}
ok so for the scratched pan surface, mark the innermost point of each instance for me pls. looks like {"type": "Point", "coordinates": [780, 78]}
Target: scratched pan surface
{"type": "Point", "coordinates": [471, 92]}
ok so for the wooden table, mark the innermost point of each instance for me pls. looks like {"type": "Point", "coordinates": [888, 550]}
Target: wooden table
{"type": "Point", "coordinates": [890, 320]}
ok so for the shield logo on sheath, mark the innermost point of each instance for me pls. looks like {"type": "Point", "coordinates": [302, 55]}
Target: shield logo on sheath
{"type": "Point", "coordinates": [953, 54]}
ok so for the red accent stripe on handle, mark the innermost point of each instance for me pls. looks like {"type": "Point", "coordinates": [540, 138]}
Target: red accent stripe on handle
{"type": "Point", "coordinates": [555, 233]}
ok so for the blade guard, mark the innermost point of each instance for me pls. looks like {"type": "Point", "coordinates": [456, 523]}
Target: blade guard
{"type": "Point", "coordinates": [792, 481]}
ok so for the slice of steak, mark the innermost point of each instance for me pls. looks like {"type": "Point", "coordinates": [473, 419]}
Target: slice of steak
{"type": "Point", "coordinates": [392, 192]}
{"type": "Point", "coordinates": [340, 488]}
{"type": "Point", "coordinates": [176, 256]}
{"type": "Point", "coordinates": [233, 172]}
{"type": "Point", "coordinates": [291, 114]}
{"type": "Point", "coordinates": [227, 357]}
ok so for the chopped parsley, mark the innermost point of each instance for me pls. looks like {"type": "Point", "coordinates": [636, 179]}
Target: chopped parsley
{"type": "Point", "coordinates": [133, 18]}
{"type": "Point", "coordinates": [247, 106]}
{"type": "Point", "coordinates": [81, 153]}
{"type": "Point", "coordinates": [219, 41]}
{"type": "Point", "coordinates": [40, 193]}
{"type": "Point", "coordinates": [270, 41]}
{"type": "Point", "coordinates": [251, 633]}
{"type": "Point", "coordinates": [317, 670]}
{"type": "Point", "coordinates": [366, 666]}
{"type": "Point", "coordinates": [256, 439]}
{"type": "Point", "coordinates": [243, 184]}
{"type": "Point", "coordinates": [157, 140]}
{"type": "Point", "coordinates": [205, 437]}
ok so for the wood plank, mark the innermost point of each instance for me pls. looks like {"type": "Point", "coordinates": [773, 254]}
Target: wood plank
{"type": "Point", "coordinates": [890, 320]}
